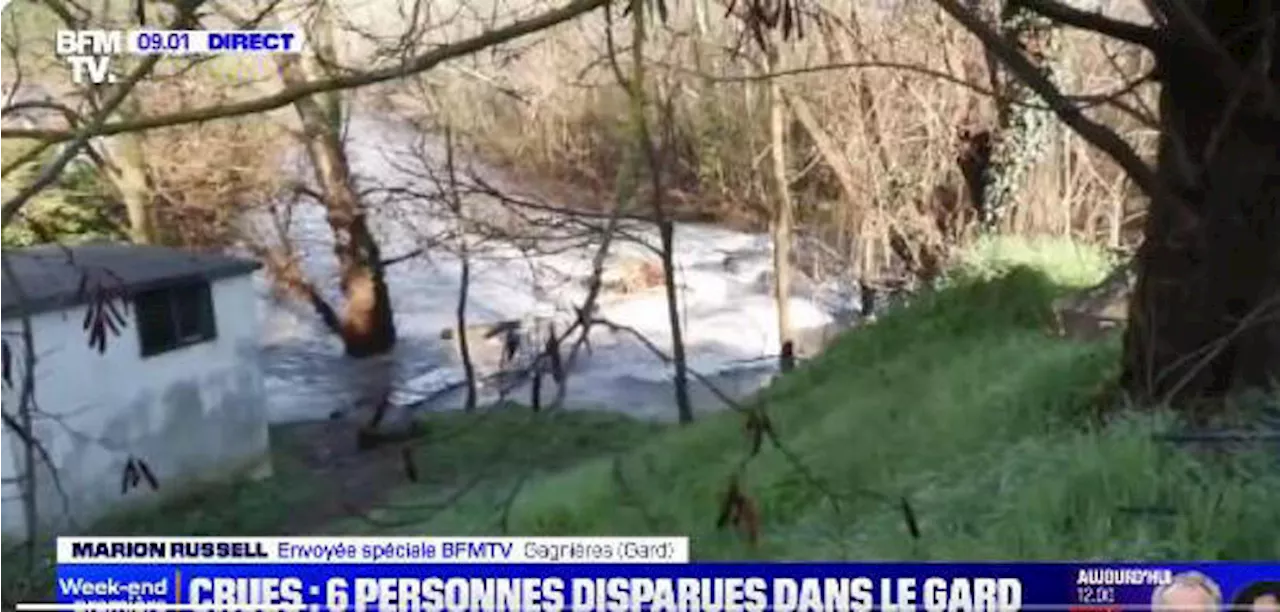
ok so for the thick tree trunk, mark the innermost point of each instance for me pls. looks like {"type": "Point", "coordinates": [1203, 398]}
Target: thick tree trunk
{"type": "Point", "coordinates": [131, 182]}
{"type": "Point", "coordinates": [1205, 315]}
{"type": "Point", "coordinates": [366, 322]}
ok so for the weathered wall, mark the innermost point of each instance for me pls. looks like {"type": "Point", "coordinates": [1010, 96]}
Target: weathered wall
{"type": "Point", "coordinates": [194, 415]}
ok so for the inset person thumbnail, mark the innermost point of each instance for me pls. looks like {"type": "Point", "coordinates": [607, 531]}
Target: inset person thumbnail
{"type": "Point", "coordinates": [1258, 597]}
{"type": "Point", "coordinates": [1188, 592]}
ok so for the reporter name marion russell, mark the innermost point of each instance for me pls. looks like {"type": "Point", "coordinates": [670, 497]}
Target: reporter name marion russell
{"type": "Point", "coordinates": [166, 550]}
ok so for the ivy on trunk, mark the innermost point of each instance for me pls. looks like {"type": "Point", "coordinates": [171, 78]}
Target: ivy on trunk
{"type": "Point", "coordinates": [1204, 320]}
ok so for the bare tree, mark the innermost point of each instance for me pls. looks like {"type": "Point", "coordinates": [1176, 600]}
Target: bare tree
{"type": "Point", "coordinates": [366, 323]}
{"type": "Point", "coordinates": [782, 225]}
{"type": "Point", "coordinates": [1204, 320]}
{"type": "Point", "coordinates": [464, 275]}
{"type": "Point", "coordinates": [635, 87]}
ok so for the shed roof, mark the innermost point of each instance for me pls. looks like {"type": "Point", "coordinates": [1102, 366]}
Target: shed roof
{"type": "Point", "coordinates": [52, 275]}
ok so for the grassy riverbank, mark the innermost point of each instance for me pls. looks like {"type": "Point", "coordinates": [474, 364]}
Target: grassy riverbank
{"type": "Point", "coordinates": [959, 406]}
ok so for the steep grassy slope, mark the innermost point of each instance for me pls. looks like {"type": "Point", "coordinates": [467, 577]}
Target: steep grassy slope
{"type": "Point", "coordinates": [959, 404]}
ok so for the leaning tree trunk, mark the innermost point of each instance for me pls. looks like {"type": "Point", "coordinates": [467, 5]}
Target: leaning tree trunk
{"type": "Point", "coordinates": [131, 182]}
{"type": "Point", "coordinates": [129, 177]}
{"type": "Point", "coordinates": [365, 322]}
{"type": "Point", "coordinates": [1205, 315]}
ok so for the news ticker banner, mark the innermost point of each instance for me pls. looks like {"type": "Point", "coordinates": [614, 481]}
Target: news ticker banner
{"type": "Point", "coordinates": [605, 574]}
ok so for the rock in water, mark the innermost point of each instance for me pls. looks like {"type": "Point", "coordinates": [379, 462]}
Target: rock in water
{"type": "Point", "coordinates": [632, 275]}
{"type": "Point", "coordinates": [490, 345]}
{"type": "Point", "coordinates": [801, 285]}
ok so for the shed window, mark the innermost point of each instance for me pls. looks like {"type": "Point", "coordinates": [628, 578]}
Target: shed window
{"type": "Point", "coordinates": [174, 317]}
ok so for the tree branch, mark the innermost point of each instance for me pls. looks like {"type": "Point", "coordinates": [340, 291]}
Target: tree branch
{"type": "Point", "coordinates": [391, 261]}
{"type": "Point", "coordinates": [1190, 31]}
{"type": "Point", "coordinates": [411, 66]}
{"type": "Point", "coordinates": [1140, 35]}
{"type": "Point", "coordinates": [1095, 133]}
{"type": "Point", "coordinates": [82, 137]}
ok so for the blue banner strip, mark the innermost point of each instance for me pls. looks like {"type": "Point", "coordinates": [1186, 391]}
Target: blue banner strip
{"type": "Point", "coordinates": [699, 586]}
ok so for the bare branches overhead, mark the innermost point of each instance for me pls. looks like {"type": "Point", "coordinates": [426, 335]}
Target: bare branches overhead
{"type": "Point", "coordinates": [1181, 37]}
{"type": "Point", "coordinates": [1144, 36]}
{"type": "Point", "coordinates": [411, 66]}
{"type": "Point", "coordinates": [760, 17]}
{"type": "Point", "coordinates": [1097, 134]}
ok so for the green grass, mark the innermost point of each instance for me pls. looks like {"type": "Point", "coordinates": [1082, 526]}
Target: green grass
{"type": "Point", "coordinates": [960, 404]}
{"type": "Point", "coordinates": [472, 466]}
{"type": "Point", "coordinates": [1063, 262]}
